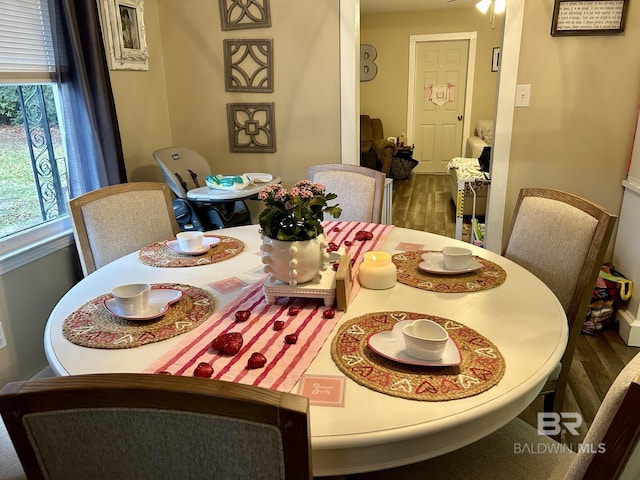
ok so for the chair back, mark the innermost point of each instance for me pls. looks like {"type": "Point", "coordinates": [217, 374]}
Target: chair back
{"type": "Point", "coordinates": [359, 190]}
{"type": "Point", "coordinates": [610, 447]}
{"type": "Point", "coordinates": [562, 239]}
{"type": "Point", "coordinates": [114, 221]}
{"type": "Point", "coordinates": [183, 169]}
{"type": "Point", "coordinates": [143, 426]}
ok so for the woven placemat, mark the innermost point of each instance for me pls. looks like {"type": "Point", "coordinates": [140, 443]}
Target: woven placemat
{"type": "Point", "coordinates": [159, 255]}
{"type": "Point", "coordinates": [482, 365]}
{"type": "Point", "coordinates": [93, 326]}
{"type": "Point", "coordinates": [489, 276]}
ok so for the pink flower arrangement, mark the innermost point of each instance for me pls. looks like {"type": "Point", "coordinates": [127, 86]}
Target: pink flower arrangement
{"type": "Point", "coordinates": [295, 214]}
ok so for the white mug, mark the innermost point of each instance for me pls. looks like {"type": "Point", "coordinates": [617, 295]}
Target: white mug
{"type": "Point", "coordinates": [190, 241]}
{"type": "Point", "coordinates": [456, 258]}
{"type": "Point", "coordinates": [132, 298]}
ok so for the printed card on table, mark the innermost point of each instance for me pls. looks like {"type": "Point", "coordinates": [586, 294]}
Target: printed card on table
{"type": "Point", "coordinates": [408, 246]}
{"type": "Point", "coordinates": [323, 390]}
{"type": "Point", "coordinates": [228, 285]}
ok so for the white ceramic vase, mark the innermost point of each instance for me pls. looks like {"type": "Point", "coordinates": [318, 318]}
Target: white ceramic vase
{"type": "Point", "coordinates": [294, 262]}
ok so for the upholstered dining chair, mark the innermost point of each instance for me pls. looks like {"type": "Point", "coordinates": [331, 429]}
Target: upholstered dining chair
{"type": "Point", "coordinates": [517, 450]}
{"type": "Point", "coordinates": [143, 426]}
{"type": "Point", "coordinates": [10, 467]}
{"type": "Point", "coordinates": [114, 221]}
{"type": "Point", "coordinates": [562, 239]}
{"type": "Point", "coordinates": [359, 189]}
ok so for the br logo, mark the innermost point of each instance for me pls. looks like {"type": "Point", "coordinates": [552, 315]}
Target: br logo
{"type": "Point", "coordinates": [552, 423]}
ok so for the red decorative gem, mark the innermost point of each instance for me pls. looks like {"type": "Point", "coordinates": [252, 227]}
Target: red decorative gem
{"type": "Point", "coordinates": [256, 360]}
{"type": "Point", "coordinates": [292, 338]}
{"type": "Point", "coordinates": [348, 243]}
{"type": "Point", "coordinates": [363, 235]}
{"type": "Point", "coordinates": [163, 372]}
{"type": "Point", "coordinates": [242, 315]}
{"type": "Point", "coordinates": [336, 229]}
{"type": "Point", "coordinates": [229, 343]}
{"type": "Point", "coordinates": [278, 325]}
{"type": "Point", "coordinates": [332, 247]}
{"type": "Point", "coordinates": [293, 310]}
{"type": "Point", "coordinates": [203, 370]}
{"type": "Point", "coordinates": [335, 266]}
{"type": "Point", "coordinates": [329, 313]}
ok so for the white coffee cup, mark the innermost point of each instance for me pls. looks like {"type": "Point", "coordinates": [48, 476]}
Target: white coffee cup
{"type": "Point", "coordinates": [456, 258]}
{"type": "Point", "coordinates": [425, 339]}
{"type": "Point", "coordinates": [132, 298]}
{"type": "Point", "coordinates": [190, 241]}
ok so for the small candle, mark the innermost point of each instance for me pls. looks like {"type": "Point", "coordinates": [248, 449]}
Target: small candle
{"type": "Point", "coordinates": [377, 271]}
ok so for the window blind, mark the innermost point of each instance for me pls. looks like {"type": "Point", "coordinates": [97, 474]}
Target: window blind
{"type": "Point", "coordinates": [26, 45]}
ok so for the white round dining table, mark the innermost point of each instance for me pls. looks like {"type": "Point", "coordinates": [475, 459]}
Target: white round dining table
{"type": "Point", "coordinates": [372, 431]}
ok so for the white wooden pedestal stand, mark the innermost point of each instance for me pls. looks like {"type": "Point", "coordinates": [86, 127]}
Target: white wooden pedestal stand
{"type": "Point", "coordinates": [331, 284]}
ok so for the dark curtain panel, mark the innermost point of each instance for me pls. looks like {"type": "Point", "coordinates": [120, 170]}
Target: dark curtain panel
{"type": "Point", "coordinates": [91, 131]}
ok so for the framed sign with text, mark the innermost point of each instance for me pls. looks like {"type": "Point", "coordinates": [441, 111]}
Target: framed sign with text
{"type": "Point", "coordinates": [588, 17]}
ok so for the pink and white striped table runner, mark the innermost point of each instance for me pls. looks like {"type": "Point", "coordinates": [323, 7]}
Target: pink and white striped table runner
{"type": "Point", "coordinates": [285, 362]}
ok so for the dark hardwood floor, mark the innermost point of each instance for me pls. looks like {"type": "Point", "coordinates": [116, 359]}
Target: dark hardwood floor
{"type": "Point", "coordinates": [423, 202]}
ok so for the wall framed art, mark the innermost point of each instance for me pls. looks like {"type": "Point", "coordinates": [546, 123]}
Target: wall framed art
{"type": "Point", "coordinates": [588, 17]}
{"type": "Point", "coordinates": [124, 32]}
{"type": "Point", "coordinates": [240, 14]}
{"type": "Point", "coordinates": [248, 65]}
{"type": "Point", "coordinates": [252, 127]}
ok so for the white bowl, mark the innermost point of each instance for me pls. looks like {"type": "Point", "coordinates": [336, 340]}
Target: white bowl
{"type": "Point", "coordinates": [425, 339]}
{"type": "Point", "coordinates": [132, 298]}
{"type": "Point", "coordinates": [190, 241]}
{"type": "Point", "coordinates": [456, 258]}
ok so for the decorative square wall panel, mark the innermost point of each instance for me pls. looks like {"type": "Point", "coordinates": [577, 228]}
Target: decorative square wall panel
{"type": "Point", "coordinates": [248, 66]}
{"type": "Point", "coordinates": [239, 14]}
{"type": "Point", "coordinates": [251, 127]}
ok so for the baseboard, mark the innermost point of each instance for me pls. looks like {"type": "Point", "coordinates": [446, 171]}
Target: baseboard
{"type": "Point", "coordinates": [629, 328]}
{"type": "Point", "coordinates": [46, 372]}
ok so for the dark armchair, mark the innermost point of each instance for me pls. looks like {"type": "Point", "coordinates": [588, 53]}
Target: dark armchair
{"type": "Point", "coordinates": [375, 151]}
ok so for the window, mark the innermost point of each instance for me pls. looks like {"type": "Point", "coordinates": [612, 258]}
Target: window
{"type": "Point", "coordinates": [66, 96]}
{"type": "Point", "coordinates": [33, 167]}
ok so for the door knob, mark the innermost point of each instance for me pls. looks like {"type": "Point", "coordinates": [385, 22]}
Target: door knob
{"type": "Point", "coordinates": [459, 118]}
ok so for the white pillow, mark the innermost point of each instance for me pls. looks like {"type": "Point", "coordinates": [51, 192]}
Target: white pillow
{"type": "Point", "coordinates": [484, 129]}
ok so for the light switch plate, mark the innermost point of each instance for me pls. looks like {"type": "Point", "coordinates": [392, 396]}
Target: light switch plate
{"type": "Point", "coordinates": [523, 95]}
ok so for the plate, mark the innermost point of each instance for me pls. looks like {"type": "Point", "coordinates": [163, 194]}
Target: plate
{"type": "Point", "coordinates": [159, 301]}
{"type": "Point", "coordinates": [433, 263]}
{"type": "Point", "coordinates": [390, 344]}
{"type": "Point", "coordinates": [207, 244]}
{"type": "Point", "coordinates": [259, 177]}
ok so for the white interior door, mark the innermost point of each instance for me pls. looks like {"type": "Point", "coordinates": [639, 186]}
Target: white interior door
{"type": "Point", "coordinates": [439, 97]}
{"type": "Point", "coordinates": [439, 93]}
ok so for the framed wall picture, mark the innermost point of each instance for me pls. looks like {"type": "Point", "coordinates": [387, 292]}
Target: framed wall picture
{"type": "Point", "coordinates": [125, 39]}
{"type": "Point", "coordinates": [248, 65]}
{"type": "Point", "coordinates": [588, 17]}
{"type": "Point", "coordinates": [252, 127]}
{"type": "Point", "coordinates": [240, 14]}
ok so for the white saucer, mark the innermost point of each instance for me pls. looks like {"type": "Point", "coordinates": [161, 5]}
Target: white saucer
{"type": "Point", "coordinates": [433, 263]}
{"type": "Point", "coordinates": [390, 344]}
{"type": "Point", "coordinates": [259, 177]}
{"type": "Point", "coordinates": [159, 301]}
{"type": "Point", "coordinates": [207, 244]}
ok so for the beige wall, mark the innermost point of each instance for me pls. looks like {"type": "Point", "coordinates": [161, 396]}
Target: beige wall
{"type": "Point", "coordinates": [181, 100]}
{"type": "Point", "coordinates": [577, 133]}
{"type": "Point", "coordinates": [27, 296]}
{"type": "Point", "coordinates": [386, 95]}
{"type": "Point", "coordinates": [142, 106]}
